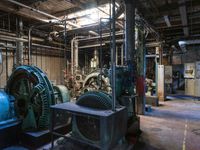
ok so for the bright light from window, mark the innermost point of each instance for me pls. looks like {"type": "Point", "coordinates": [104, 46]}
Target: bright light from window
{"type": "Point", "coordinates": [91, 16]}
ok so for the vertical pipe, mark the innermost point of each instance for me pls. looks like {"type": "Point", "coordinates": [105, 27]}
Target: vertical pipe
{"type": "Point", "coordinates": [29, 45]}
{"type": "Point", "coordinates": [19, 52]}
{"type": "Point", "coordinates": [160, 55]}
{"type": "Point", "coordinates": [72, 57]}
{"type": "Point", "coordinates": [101, 49]}
{"type": "Point", "coordinates": [117, 55]}
{"type": "Point", "coordinates": [76, 55]}
{"type": "Point", "coordinates": [101, 53]}
{"type": "Point", "coordinates": [122, 54]}
{"type": "Point", "coordinates": [113, 58]}
{"type": "Point", "coordinates": [156, 69]}
{"type": "Point", "coordinates": [65, 43]}
{"type": "Point", "coordinates": [6, 62]}
{"type": "Point", "coordinates": [9, 22]}
{"type": "Point", "coordinates": [96, 57]}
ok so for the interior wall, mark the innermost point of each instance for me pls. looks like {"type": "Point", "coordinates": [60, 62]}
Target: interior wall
{"type": "Point", "coordinates": [3, 66]}
{"type": "Point", "coordinates": [192, 55]}
{"type": "Point", "coordinates": [52, 66]}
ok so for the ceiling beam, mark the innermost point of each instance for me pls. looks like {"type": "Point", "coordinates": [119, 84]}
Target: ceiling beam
{"type": "Point", "coordinates": [80, 5]}
{"type": "Point", "coordinates": [41, 13]}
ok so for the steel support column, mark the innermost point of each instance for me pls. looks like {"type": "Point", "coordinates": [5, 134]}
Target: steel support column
{"type": "Point", "coordinates": [113, 57]}
{"type": "Point", "coordinates": [130, 52]}
{"type": "Point", "coordinates": [129, 30]}
{"type": "Point", "coordinates": [141, 63]}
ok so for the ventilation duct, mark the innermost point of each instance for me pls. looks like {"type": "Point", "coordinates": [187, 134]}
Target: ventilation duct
{"type": "Point", "coordinates": [183, 44]}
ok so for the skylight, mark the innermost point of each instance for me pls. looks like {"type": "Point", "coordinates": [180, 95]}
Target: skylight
{"type": "Point", "coordinates": [91, 16]}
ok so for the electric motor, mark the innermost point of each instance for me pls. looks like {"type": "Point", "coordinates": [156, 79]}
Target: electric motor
{"type": "Point", "coordinates": [6, 106]}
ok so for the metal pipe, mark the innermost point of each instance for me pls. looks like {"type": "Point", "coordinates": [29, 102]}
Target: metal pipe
{"type": "Point", "coordinates": [116, 55]}
{"type": "Point", "coordinates": [47, 15]}
{"type": "Point", "coordinates": [122, 54]}
{"type": "Point", "coordinates": [72, 57]}
{"type": "Point", "coordinates": [76, 56]}
{"type": "Point", "coordinates": [90, 46]}
{"type": "Point", "coordinates": [10, 38]}
{"type": "Point", "coordinates": [103, 36]}
{"type": "Point", "coordinates": [96, 57]}
{"type": "Point", "coordinates": [101, 52]}
{"type": "Point", "coordinates": [155, 56]}
{"type": "Point", "coordinates": [19, 44]}
{"type": "Point", "coordinates": [2, 65]}
{"type": "Point", "coordinates": [41, 12]}
{"type": "Point", "coordinates": [113, 58]}
{"type": "Point", "coordinates": [6, 63]}
{"type": "Point", "coordinates": [75, 39]}
{"type": "Point", "coordinates": [65, 43]}
{"type": "Point", "coordinates": [29, 45]}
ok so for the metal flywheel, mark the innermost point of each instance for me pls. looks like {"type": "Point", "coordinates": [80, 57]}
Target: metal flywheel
{"type": "Point", "coordinates": [34, 94]}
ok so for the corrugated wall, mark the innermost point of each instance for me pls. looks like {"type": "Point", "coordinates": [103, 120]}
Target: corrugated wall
{"type": "Point", "coordinates": [52, 66]}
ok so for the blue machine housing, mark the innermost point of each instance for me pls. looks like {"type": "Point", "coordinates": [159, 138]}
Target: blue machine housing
{"type": "Point", "coordinates": [6, 106]}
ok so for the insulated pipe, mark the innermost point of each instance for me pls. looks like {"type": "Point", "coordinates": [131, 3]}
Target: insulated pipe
{"type": "Point", "coordinates": [72, 56]}
{"type": "Point", "coordinates": [96, 57]}
{"type": "Point", "coordinates": [29, 45]}
{"type": "Point", "coordinates": [122, 54]}
{"type": "Point", "coordinates": [117, 55]}
{"type": "Point", "coordinates": [10, 38]}
{"type": "Point", "coordinates": [74, 51]}
{"type": "Point", "coordinates": [113, 58]}
{"type": "Point", "coordinates": [76, 55]}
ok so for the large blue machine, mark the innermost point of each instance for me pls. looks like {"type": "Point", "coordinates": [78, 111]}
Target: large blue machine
{"type": "Point", "coordinates": [26, 100]}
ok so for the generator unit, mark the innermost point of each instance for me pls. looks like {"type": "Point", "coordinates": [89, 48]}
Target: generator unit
{"type": "Point", "coordinates": [26, 102]}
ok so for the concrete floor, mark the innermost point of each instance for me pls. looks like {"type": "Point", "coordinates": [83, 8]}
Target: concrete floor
{"type": "Point", "coordinates": [175, 125]}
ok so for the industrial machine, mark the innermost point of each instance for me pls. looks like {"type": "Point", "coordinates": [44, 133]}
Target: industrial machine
{"type": "Point", "coordinates": [97, 81]}
{"type": "Point", "coordinates": [100, 119]}
{"type": "Point", "coordinates": [102, 131]}
{"type": "Point", "coordinates": [6, 107]}
{"type": "Point", "coordinates": [27, 99]}
{"type": "Point", "coordinates": [33, 94]}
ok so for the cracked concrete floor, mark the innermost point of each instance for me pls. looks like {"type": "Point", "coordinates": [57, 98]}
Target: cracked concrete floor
{"type": "Point", "coordinates": [175, 125]}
